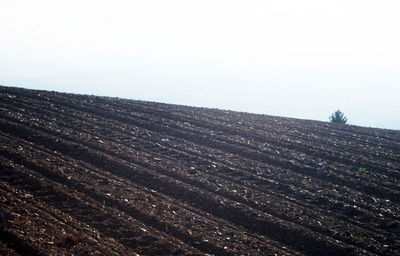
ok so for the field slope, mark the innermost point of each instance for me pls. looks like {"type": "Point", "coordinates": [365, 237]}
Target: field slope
{"type": "Point", "coordinates": [87, 175]}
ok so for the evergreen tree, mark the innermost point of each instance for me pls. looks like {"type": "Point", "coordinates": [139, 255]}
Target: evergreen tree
{"type": "Point", "coordinates": [338, 118]}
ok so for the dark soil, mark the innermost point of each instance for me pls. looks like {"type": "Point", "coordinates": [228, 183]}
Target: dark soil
{"type": "Point", "coordinates": [87, 175]}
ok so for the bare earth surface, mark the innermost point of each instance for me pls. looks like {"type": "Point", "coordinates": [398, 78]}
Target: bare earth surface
{"type": "Point", "coordinates": [86, 175]}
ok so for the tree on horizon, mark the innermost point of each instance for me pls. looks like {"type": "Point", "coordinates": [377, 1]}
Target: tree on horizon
{"type": "Point", "coordinates": [338, 117]}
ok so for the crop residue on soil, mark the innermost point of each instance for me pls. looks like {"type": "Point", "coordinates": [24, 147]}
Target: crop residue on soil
{"type": "Point", "coordinates": [87, 175]}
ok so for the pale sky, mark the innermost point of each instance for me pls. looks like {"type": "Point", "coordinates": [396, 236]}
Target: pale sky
{"type": "Point", "coordinates": [290, 58]}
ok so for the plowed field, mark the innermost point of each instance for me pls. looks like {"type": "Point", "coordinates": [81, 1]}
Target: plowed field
{"type": "Point", "coordinates": [87, 175]}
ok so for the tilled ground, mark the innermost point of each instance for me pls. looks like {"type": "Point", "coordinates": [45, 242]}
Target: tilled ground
{"type": "Point", "coordinates": [86, 175]}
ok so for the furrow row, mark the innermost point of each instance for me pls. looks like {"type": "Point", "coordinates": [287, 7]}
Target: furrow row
{"type": "Point", "coordinates": [119, 194]}
{"type": "Point", "coordinates": [214, 205]}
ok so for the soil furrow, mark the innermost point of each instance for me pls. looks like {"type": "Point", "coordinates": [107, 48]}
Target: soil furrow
{"type": "Point", "coordinates": [263, 224]}
{"type": "Point", "coordinates": [270, 212]}
{"type": "Point", "coordinates": [94, 214]}
{"type": "Point", "coordinates": [90, 188]}
{"type": "Point", "coordinates": [369, 189]}
{"type": "Point", "coordinates": [327, 157]}
{"type": "Point", "coordinates": [273, 212]}
{"type": "Point", "coordinates": [147, 177]}
{"type": "Point", "coordinates": [58, 232]}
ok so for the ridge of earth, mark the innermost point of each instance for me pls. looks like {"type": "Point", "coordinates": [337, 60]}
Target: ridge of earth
{"type": "Point", "coordinates": [90, 175]}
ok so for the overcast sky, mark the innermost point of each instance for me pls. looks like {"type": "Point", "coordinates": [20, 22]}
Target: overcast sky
{"type": "Point", "coordinates": [291, 58]}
